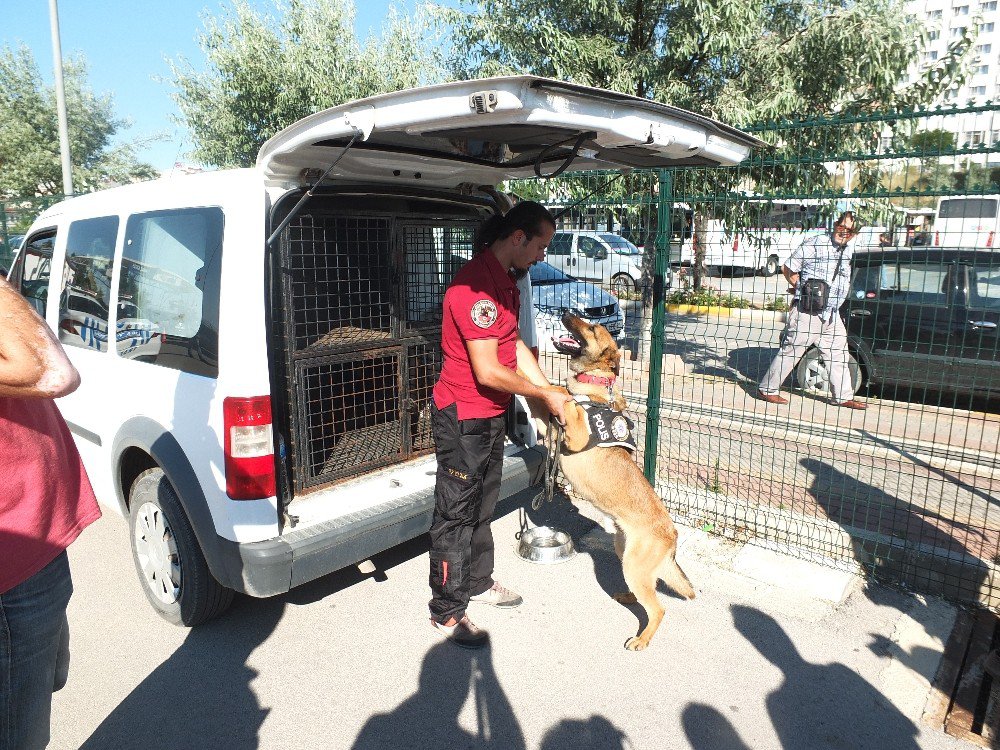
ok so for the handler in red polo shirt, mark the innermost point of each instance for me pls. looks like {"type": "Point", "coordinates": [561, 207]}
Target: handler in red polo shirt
{"type": "Point", "coordinates": [483, 352]}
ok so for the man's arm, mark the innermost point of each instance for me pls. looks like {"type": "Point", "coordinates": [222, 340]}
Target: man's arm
{"type": "Point", "coordinates": [791, 277]}
{"type": "Point", "coordinates": [489, 372]}
{"type": "Point", "coordinates": [32, 362]}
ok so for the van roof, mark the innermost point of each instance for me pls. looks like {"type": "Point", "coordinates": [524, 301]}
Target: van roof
{"type": "Point", "coordinates": [489, 130]}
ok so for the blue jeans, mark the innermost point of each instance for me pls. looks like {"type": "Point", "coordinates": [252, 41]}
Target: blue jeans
{"type": "Point", "coordinates": [34, 654]}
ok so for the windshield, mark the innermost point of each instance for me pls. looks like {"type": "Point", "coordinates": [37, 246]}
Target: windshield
{"type": "Point", "coordinates": [543, 273]}
{"type": "Point", "coordinates": [620, 245]}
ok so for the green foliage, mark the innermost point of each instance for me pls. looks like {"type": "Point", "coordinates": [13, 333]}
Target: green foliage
{"type": "Point", "coordinates": [777, 304]}
{"type": "Point", "coordinates": [707, 298]}
{"type": "Point", "coordinates": [743, 61]}
{"type": "Point", "coordinates": [29, 131]}
{"type": "Point", "coordinates": [931, 141]}
{"type": "Point", "coordinates": [264, 73]}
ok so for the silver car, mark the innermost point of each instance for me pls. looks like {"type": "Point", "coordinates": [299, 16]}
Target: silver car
{"type": "Point", "coordinates": [554, 292]}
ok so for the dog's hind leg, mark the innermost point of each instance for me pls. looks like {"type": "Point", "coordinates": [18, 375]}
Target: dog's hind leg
{"type": "Point", "coordinates": [675, 577]}
{"type": "Point", "coordinates": [639, 565]}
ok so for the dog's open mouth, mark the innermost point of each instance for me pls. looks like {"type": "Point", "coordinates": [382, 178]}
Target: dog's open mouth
{"type": "Point", "coordinates": [567, 344]}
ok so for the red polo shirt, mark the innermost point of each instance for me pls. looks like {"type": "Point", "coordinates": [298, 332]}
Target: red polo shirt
{"type": "Point", "coordinates": [482, 303]}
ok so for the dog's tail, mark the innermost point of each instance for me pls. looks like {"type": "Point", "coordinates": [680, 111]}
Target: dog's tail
{"type": "Point", "coordinates": [676, 578]}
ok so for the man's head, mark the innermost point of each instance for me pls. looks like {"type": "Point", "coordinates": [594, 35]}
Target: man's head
{"type": "Point", "coordinates": [524, 231]}
{"type": "Point", "coordinates": [845, 228]}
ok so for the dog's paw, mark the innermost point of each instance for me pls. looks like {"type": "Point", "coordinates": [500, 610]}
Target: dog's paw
{"type": "Point", "coordinates": [635, 644]}
{"type": "Point", "coordinates": [624, 597]}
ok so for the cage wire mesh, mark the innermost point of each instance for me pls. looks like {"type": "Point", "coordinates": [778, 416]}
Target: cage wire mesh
{"type": "Point", "coordinates": [905, 491]}
{"type": "Point", "coordinates": [363, 297]}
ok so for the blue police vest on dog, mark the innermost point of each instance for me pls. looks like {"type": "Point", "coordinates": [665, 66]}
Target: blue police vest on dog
{"type": "Point", "coordinates": [607, 428]}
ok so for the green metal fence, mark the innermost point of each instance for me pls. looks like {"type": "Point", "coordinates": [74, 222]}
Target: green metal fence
{"type": "Point", "coordinates": [905, 491]}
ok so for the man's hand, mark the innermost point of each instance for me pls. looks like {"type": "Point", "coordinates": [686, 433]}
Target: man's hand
{"type": "Point", "coordinates": [555, 397]}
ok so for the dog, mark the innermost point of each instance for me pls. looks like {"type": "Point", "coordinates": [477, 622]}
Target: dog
{"type": "Point", "coordinates": [609, 478]}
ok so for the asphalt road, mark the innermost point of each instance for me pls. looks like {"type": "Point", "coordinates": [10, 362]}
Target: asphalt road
{"type": "Point", "coordinates": [758, 660]}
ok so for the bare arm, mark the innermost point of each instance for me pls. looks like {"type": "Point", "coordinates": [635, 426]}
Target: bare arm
{"type": "Point", "coordinates": [32, 362]}
{"type": "Point", "coordinates": [489, 372]}
{"type": "Point", "coordinates": [790, 276]}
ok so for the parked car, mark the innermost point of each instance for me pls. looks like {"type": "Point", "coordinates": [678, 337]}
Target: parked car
{"type": "Point", "coordinates": [553, 293]}
{"type": "Point", "coordinates": [922, 317]}
{"type": "Point", "coordinates": [602, 257]}
{"type": "Point", "coordinates": [279, 428]}
{"type": "Point", "coordinates": [8, 251]}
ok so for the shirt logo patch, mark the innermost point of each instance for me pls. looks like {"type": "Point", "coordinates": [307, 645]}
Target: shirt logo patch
{"type": "Point", "coordinates": [484, 313]}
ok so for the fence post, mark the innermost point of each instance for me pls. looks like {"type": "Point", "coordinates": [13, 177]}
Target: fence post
{"type": "Point", "coordinates": [3, 224]}
{"type": "Point", "coordinates": [660, 269]}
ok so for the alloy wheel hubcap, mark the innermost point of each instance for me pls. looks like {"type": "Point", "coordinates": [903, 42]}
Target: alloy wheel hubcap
{"type": "Point", "coordinates": [156, 552]}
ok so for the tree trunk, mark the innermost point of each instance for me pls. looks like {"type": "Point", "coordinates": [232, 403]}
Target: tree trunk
{"type": "Point", "coordinates": [698, 269]}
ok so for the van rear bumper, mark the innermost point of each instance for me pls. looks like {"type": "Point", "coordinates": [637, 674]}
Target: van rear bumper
{"type": "Point", "coordinates": [275, 566]}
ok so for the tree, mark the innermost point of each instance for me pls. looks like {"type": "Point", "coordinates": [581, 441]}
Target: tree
{"type": "Point", "coordinates": [265, 73]}
{"type": "Point", "coordinates": [742, 61]}
{"type": "Point", "coordinates": [30, 162]}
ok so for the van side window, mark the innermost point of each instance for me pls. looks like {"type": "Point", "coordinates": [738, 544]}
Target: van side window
{"type": "Point", "coordinates": [561, 244]}
{"type": "Point", "coordinates": [33, 269]}
{"type": "Point", "coordinates": [168, 297]}
{"type": "Point", "coordinates": [86, 283]}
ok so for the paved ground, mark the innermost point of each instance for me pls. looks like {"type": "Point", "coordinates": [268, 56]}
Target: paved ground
{"type": "Point", "coordinates": [775, 653]}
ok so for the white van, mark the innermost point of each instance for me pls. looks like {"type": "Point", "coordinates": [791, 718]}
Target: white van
{"type": "Point", "coordinates": [971, 221]}
{"type": "Point", "coordinates": [274, 425]}
{"type": "Point", "coordinates": [602, 257]}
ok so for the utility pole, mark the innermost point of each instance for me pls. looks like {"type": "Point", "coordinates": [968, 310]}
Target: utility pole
{"type": "Point", "coordinates": [67, 170]}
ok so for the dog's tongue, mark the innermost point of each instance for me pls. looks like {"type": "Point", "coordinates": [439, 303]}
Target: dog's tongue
{"type": "Point", "coordinates": [566, 344]}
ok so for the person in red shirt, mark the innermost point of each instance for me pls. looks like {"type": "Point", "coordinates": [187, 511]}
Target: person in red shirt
{"type": "Point", "coordinates": [483, 354]}
{"type": "Point", "coordinates": [45, 502]}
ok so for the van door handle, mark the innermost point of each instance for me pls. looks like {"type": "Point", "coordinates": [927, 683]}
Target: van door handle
{"type": "Point", "coordinates": [860, 313]}
{"type": "Point", "coordinates": [985, 325]}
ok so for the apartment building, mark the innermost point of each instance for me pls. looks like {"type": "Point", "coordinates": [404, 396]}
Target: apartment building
{"type": "Point", "coordinates": [947, 21]}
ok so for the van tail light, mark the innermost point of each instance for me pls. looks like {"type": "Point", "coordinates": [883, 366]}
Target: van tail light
{"type": "Point", "coordinates": [989, 240]}
{"type": "Point", "coordinates": [249, 448]}
{"type": "Point", "coordinates": [736, 244]}
{"type": "Point", "coordinates": [937, 239]}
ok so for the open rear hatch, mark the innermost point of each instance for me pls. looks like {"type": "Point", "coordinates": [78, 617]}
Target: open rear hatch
{"type": "Point", "coordinates": [486, 131]}
{"type": "Point", "coordinates": [361, 267]}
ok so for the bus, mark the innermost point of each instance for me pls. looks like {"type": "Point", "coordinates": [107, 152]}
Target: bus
{"type": "Point", "coordinates": [773, 229]}
{"type": "Point", "coordinates": [969, 221]}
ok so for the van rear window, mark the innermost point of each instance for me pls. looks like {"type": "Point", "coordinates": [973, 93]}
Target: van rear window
{"type": "Point", "coordinates": [168, 298]}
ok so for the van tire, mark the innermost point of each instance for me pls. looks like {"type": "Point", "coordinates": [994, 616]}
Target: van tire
{"type": "Point", "coordinates": [812, 375]}
{"type": "Point", "coordinates": [165, 549]}
{"type": "Point", "coordinates": [622, 283]}
{"type": "Point", "coordinates": [772, 266]}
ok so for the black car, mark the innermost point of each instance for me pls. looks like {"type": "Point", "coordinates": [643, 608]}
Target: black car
{"type": "Point", "coordinates": [923, 317]}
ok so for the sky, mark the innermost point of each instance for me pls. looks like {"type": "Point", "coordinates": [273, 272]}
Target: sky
{"type": "Point", "coordinates": [127, 44]}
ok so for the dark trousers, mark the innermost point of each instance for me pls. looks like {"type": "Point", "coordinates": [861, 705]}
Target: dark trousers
{"type": "Point", "coordinates": [469, 468]}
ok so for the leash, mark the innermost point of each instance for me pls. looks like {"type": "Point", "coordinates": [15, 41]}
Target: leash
{"type": "Point", "coordinates": [553, 466]}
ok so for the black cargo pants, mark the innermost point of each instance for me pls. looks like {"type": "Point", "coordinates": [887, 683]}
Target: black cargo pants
{"type": "Point", "coordinates": [469, 469]}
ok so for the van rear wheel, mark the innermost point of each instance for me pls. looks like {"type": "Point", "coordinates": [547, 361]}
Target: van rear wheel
{"type": "Point", "coordinates": [772, 266]}
{"type": "Point", "coordinates": [168, 559]}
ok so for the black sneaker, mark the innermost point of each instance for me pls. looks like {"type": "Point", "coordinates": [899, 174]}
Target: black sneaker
{"type": "Point", "coordinates": [464, 633]}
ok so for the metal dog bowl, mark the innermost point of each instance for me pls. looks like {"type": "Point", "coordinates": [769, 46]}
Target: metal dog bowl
{"type": "Point", "coordinates": [545, 546]}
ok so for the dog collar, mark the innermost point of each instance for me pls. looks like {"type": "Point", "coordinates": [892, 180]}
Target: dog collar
{"type": "Point", "coordinates": [597, 380]}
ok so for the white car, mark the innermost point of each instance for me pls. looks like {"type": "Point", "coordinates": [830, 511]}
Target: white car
{"type": "Point", "coordinates": [554, 293]}
{"type": "Point", "coordinates": [601, 257]}
{"type": "Point", "coordinates": [280, 428]}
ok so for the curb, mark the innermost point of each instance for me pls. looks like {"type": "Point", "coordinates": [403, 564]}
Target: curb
{"type": "Point", "coordinates": [727, 312]}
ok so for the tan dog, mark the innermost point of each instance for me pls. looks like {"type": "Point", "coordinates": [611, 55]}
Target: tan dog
{"type": "Point", "coordinates": [608, 477]}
